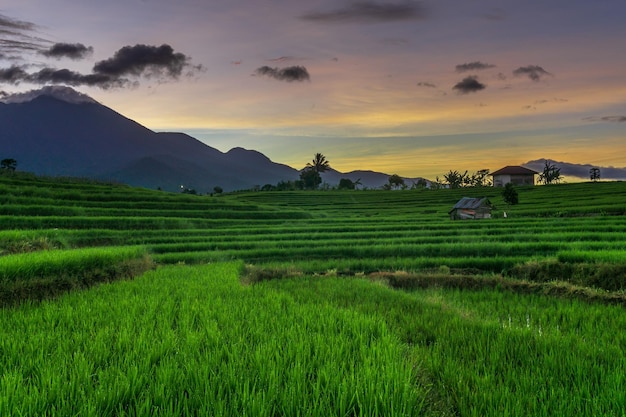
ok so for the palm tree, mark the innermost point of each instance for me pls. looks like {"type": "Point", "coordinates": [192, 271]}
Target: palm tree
{"type": "Point", "coordinates": [319, 163]}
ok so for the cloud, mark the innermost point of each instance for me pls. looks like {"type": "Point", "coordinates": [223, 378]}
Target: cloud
{"type": "Point", "coordinates": [283, 58]}
{"type": "Point", "coordinates": [369, 12]}
{"type": "Point", "coordinates": [130, 61]}
{"type": "Point", "coordinates": [293, 73]}
{"type": "Point", "coordinates": [473, 66]}
{"type": "Point", "coordinates": [144, 60]}
{"type": "Point", "coordinates": [425, 84]}
{"type": "Point", "coordinates": [68, 50]}
{"type": "Point", "coordinates": [612, 119]}
{"type": "Point", "coordinates": [469, 85]}
{"type": "Point", "coordinates": [13, 75]}
{"type": "Point", "coordinates": [534, 72]}
{"type": "Point", "coordinates": [17, 37]}
{"type": "Point", "coordinates": [618, 119]}
{"type": "Point", "coordinates": [65, 76]}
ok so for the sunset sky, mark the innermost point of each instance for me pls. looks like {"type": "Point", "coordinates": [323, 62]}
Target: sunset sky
{"type": "Point", "coordinates": [415, 88]}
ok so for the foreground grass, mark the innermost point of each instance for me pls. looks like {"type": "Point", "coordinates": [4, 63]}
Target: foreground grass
{"type": "Point", "coordinates": [44, 274]}
{"type": "Point", "coordinates": [195, 342]}
{"type": "Point", "coordinates": [493, 353]}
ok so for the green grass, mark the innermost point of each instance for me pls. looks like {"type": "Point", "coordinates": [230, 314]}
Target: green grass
{"type": "Point", "coordinates": [193, 341]}
{"type": "Point", "coordinates": [353, 303]}
{"type": "Point", "coordinates": [41, 274]}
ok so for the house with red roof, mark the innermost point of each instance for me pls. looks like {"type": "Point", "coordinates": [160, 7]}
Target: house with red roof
{"type": "Point", "coordinates": [516, 175]}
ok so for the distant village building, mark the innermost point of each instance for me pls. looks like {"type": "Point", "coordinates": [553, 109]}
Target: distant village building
{"type": "Point", "coordinates": [469, 208]}
{"type": "Point", "coordinates": [515, 175]}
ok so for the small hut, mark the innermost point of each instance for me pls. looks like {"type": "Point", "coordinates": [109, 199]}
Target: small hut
{"type": "Point", "coordinates": [469, 208]}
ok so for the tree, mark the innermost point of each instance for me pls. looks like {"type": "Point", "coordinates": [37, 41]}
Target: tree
{"type": "Point", "coordinates": [510, 194]}
{"type": "Point", "coordinates": [310, 178]}
{"type": "Point", "coordinates": [319, 163]}
{"type": "Point", "coordinates": [594, 174]}
{"type": "Point", "coordinates": [455, 179]}
{"type": "Point", "coordinates": [551, 174]}
{"type": "Point", "coordinates": [420, 184]}
{"type": "Point", "coordinates": [396, 181]}
{"type": "Point", "coordinates": [479, 178]}
{"type": "Point", "coordinates": [310, 175]}
{"type": "Point", "coordinates": [346, 184]}
{"type": "Point", "coordinates": [8, 164]}
{"type": "Point", "coordinates": [218, 190]}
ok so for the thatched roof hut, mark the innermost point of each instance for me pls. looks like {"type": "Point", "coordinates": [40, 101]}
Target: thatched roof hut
{"type": "Point", "coordinates": [469, 208]}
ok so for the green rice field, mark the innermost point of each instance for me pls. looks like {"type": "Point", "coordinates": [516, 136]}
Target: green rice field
{"type": "Point", "coordinates": [120, 301]}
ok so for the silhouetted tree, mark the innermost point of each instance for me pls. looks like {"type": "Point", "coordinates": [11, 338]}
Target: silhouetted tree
{"type": "Point", "coordinates": [310, 178]}
{"type": "Point", "coordinates": [420, 184]}
{"type": "Point", "coordinates": [346, 184]}
{"type": "Point", "coordinates": [480, 178]}
{"type": "Point", "coordinates": [218, 190]}
{"type": "Point", "coordinates": [319, 163]}
{"type": "Point", "coordinates": [551, 174]}
{"type": "Point", "coordinates": [396, 181]}
{"type": "Point", "coordinates": [8, 164]}
{"type": "Point", "coordinates": [594, 174]}
{"type": "Point", "coordinates": [455, 179]}
{"type": "Point", "coordinates": [510, 194]}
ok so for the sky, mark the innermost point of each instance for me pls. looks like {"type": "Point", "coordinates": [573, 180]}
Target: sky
{"type": "Point", "coordinates": [414, 88]}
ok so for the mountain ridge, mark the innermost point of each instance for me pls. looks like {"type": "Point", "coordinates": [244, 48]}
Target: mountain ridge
{"type": "Point", "coordinates": [74, 135]}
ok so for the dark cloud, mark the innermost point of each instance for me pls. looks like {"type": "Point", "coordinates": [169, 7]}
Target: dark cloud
{"type": "Point", "coordinates": [534, 72]}
{"type": "Point", "coordinates": [144, 60]}
{"type": "Point", "coordinates": [469, 85]}
{"type": "Point", "coordinates": [473, 66]}
{"type": "Point", "coordinates": [68, 50]}
{"type": "Point", "coordinates": [369, 12]}
{"type": "Point", "coordinates": [612, 119]}
{"type": "Point", "coordinates": [13, 75]}
{"type": "Point", "coordinates": [294, 73]}
{"type": "Point", "coordinates": [425, 84]}
{"type": "Point", "coordinates": [618, 119]}
{"type": "Point", "coordinates": [17, 74]}
{"type": "Point", "coordinates": [130, 61]}
{"type": "Point", "coordinates": [65, 76]}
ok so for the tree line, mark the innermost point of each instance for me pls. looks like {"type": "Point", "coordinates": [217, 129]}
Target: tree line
{"type": "Point", "coordinates": [8, 165]}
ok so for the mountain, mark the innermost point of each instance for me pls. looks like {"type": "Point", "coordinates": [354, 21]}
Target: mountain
{"type": "Point", "coordinates": [579, 171]}
{"type": "Point", "coordinates": [59, 132]}
{"type": "Point", "coordinates": [369, 179]}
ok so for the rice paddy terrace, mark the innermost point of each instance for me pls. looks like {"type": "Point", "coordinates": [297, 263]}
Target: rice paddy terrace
{"type": "Point", "coordinates": [515, 315]}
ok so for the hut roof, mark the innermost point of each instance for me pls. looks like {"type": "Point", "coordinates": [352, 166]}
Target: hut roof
{"type": "Point", "coordinates": [471, 203]}
{"type": "Point", "coordinates": [514, 170]}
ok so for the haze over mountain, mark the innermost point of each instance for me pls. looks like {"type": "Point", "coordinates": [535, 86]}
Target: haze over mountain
{"type": "Point", "coordinates": [59, 132]}
{"type": "Point", "coordinates": [578, 171]}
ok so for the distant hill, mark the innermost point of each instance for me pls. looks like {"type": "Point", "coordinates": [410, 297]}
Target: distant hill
{"type": "Point", "coordinates": [580, 171]}
{"type": "Point", "coordinates": [57, 131]}
{"type": "Point", "coordinates": [369, 179]}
